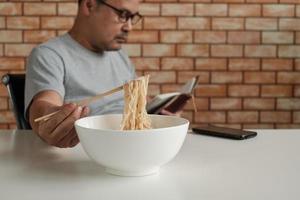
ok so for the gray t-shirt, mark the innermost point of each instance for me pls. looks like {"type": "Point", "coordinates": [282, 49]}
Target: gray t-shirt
{"type": "Point", "coordinates": [63, 65]}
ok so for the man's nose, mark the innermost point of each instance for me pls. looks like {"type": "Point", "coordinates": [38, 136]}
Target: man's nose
{"type": "Point", "coordinates": [128, 25]}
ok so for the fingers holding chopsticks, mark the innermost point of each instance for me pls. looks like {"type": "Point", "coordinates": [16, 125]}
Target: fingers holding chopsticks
{"type": "Point", "coordinates": [59, 129]}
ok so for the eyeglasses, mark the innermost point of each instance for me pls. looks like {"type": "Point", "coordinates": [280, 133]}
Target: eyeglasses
{"type": "Point", "coordinates": [124, 15]}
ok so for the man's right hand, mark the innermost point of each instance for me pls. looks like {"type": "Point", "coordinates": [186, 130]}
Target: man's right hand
{"type": "Point", "coordinates": [59, 130]}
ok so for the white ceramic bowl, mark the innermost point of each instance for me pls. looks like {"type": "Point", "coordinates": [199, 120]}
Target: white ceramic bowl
{"type": "Point", "coordinates": [134, 152]}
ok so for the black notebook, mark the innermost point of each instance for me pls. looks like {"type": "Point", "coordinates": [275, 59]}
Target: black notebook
{"type": "Point", "coordinates": [174, 101]}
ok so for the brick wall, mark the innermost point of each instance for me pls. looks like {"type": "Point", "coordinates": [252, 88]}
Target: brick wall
{"type": "Point", "coordinates": [245, 51]}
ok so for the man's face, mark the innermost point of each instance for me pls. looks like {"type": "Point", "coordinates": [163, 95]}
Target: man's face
{"type": "Point", "coordinates": [106, 31]}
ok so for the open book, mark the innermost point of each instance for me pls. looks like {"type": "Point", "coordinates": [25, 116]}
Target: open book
{"type": "Point", "coordinates": [174, 101]}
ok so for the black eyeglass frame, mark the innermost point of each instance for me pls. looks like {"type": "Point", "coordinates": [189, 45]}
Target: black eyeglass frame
{"type": "Point", "coordinates": [124, 15]}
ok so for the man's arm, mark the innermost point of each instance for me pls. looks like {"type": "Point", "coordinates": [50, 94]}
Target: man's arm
{"type": "Point", "coordinates": [59, 130]}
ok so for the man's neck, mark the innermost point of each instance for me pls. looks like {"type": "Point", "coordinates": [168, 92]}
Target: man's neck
{"type": "Point", "coordinates": [82, 40]}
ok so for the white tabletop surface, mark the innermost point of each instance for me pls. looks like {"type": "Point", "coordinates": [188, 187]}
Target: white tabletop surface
{"type": "Point", "coordinates": [206, 168]}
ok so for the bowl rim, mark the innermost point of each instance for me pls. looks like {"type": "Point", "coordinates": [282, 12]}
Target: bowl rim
{"type": "Point", "coordinates": [185, 122]}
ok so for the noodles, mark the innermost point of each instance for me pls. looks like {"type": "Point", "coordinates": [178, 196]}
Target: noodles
{"type": "Point", "coordinates": [135, 116]}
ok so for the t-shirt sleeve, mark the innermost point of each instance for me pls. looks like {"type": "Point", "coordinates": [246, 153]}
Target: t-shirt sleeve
{"type": "Point", "coordinates": [44, 71]}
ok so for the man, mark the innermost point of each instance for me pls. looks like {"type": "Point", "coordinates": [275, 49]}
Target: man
{"type": "Point", "coordinates": [80, 64]}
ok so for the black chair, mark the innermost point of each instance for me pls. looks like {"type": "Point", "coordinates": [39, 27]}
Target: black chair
{"type": "Point", "coordinates": [15, 84]}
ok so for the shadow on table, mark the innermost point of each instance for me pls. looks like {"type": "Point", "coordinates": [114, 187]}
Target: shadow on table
{"type": "Point", "coordinates": [30, 153]}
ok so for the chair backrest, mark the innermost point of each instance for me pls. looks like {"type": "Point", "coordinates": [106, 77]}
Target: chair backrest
{"type": "Point", "coordinates": [15, 84]}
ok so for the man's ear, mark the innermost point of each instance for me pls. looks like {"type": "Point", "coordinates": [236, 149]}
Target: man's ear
{"type": "Point", "coordinates": [88, 6]}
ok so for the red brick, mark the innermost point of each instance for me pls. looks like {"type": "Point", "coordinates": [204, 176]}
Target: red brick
{"type": "Point", "coordinates": [244, 10]}
{"type": "Point", "coordinates": [288, 104]}
{"type": "Point", "coordinates": [259, 51]}
{"type": "Point", "coordinates": [298, 11]}
{"type": "Point", "coordinates": [261, 24]}
{"type": "Point", "coordinates": [143, 36]}
{"type": "Point", "coordinates": [290, 24]}
{"type": "Point", "coordinates": [61, 32]}
{"type": "Point", "coordinates": [297, 37]}
{"type": "Point", "coordinates": [193, 23]}
{"type": "Point", "coordinates": [67, 9]}
{"type": "Point", "coordinates": [211, 90]}
{"type": "Point", "coordinates": [226, 77]}
{"type": "Point", "coordinates": [225, 104]}
{"type": "Point", "coordinates": [262, 1]}
{"type": "Point", "coordinates": [210, 37]}
{"type": "Point", "coordinates": [201, 104]}
{"type": "Point", "coordinates": [39, 8]}
{"type": "Point", "coordinates": [276, 10]}
{"type": "Point", "coordinates": [276, 91]}
{"type": "Point", "coordinates": [153, 90]}
{"type": "Point", "coordinates": [259, 77]}
{"type": "Point", "coordinates": [7, 8]}
{"type": "Point", "coordinates": [297, 64]}
{"type": "Point", "coordinates": [184, 76]}
{"type": "Point", "coordinates": [3, 103]}
{"type": "Point", "coordinates": [226, 50]}
{"type": "Point", "coordinates": [275, 117]}
{"type": "Point", "coordinates": [2, 22]}
{"type": "Point", "coordinates": [287, 126]}
{"type": "Point", "coordinates": [228, 24]}
{"type": "Point", "coordinates": [288, 77]}
{"type": "Point", "coordinates": [165, 88]}
{"type": "Point", "coordinates": [23, 22]}
{"type": "Point", "coordinates": [242, 117]}
{"type": "Point", "coordinates": [4, 126]}
{"type": "Point", "coordinates": [177, 64]}
{"type": "Point", "coordinates": [179, 9]}
{"type": "Point", "coordinates": [236, 126]}
{"type": "Point", "coordinates": [289, 51]}
{"type": "Point", "coordinates": [38, 36]}
{"type": "Point", "coordinates": [1, 49]}
{"type": "Point", "coordinates": [242, 37]}
{"type": "Point", "coordinates": [193, 50]}
{"type": "Point", "coordinates": [243, 90]}
{"type": "Point", "coordinates": [11, 63]}
{"type": "Point", "coordinates": [57, 22]}
{"type": "Point", "coordinates": [258, 126]}
{"type": "Point", "coordinates": [160, 23]}
{"type": "Point", "coordinates": [7, 36]}
{"type": "Point", "coordinates": [228, 1]}
{"type": "Point", "coordinates": [18, 49]}
{"type": "Point", "coordinates": [13, 126]}
{"type": "Point", "coordinates": [289, 1]}
{"type": "Point", "coordinates": [244, 64]}
{"type": "Point", "coordinates": [132, 49]}
{"type": "Point", "coordinates": [211, 64]}
{"type": "Point", "coordinates": [188, 115]}
{"type": "Point", "coordinates": [176, 36]}
{"type": "Point", "coordinates": [277, 64]}
{"type": "Point", "coordinates": [211, 10]}
{"type": "Point", "coordinates": [210, 117]}
{"type": "Point", "coordinates": [149, 9]}
{"type": "Point", "coordinates": [296, 117]}
{"type": "Point", "coordinates": [195, 1]}
{"type": "Point", "coordinates": [158, 50]}
{"type": "Point", "coordinates": [162, 76]}
{"type": "Point", "coordinates": [259, 104]}
{"type": "Point", "coordinates": [7, 117]}
{"type": "Point", "coordinates": [146, 63]}
{"type": "Point", "coordinates": [278, 38]}
{"type": "Point", "coordinates": [160, 0]}
{"type": "Point", "coordinates": [297, 91]}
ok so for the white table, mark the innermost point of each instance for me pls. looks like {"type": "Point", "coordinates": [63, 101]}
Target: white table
{"type": "Point", "coordinates": [266, 167]}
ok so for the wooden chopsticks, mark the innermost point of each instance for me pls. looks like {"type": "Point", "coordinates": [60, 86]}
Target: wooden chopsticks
{"type": "Point", "coordinates": [83, 102]}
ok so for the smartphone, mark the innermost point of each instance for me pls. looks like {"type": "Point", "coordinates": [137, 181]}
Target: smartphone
{"type": "Point", "coordinates": [224, 132]}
